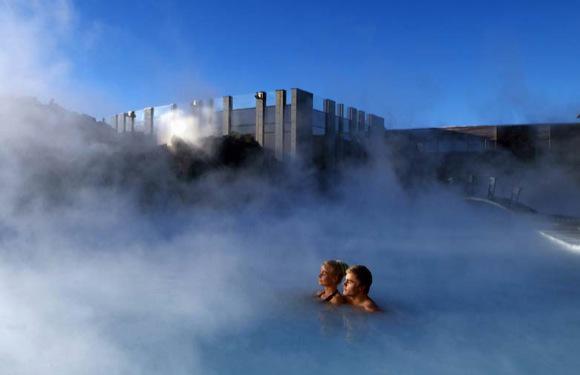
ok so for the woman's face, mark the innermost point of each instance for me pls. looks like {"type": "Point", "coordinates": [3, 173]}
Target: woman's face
{"type": "Point", "coordinates": [326, 277]}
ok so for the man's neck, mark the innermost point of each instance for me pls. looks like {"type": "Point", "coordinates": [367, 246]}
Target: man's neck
{"type": "Point", "coordinates": [357, 300]}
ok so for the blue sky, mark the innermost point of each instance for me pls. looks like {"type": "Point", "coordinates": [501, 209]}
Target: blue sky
{"type": "Point", "coordinates": [417, 63]}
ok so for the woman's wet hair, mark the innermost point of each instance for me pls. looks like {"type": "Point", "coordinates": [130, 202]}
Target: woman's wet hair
{"type": "Point", "coordinates": [337, 267]}
{"type": "Point", "coordinates": [363, 275]}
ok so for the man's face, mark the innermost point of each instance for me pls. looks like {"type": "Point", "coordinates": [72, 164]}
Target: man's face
{"type": "Point", "coordinates": [352, 286]}
{"type": "Point", "coordinates": [325, 277]}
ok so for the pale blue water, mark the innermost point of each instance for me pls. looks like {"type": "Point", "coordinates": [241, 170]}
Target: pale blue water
{"type": "Point", "coordinates": [500, 313]}
{"type": "Point", "coordinates": [217, 292]}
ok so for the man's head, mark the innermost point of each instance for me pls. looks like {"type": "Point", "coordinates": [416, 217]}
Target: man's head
{"type": "Point", "coordinates": [358, 281]}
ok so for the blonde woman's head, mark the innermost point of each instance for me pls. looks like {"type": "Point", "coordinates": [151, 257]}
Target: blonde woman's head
{"type": "Point", "coordinates": [332, 272]}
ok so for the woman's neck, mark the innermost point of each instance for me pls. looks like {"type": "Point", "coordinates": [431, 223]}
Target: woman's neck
{"type": "Point", "coordinates": [328, 290]}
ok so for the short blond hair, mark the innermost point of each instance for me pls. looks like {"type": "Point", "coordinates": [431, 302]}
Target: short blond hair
{"type": "Point", "coordinates": [337, 267]}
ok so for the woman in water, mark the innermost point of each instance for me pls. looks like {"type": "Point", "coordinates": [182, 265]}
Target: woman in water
{"type": "Point", "coordinates": [330, 276]}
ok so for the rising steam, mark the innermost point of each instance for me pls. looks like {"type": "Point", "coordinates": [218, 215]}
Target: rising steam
{"type": "Point", "coordinates": [215, 274]}
{"type": "Point", "coordinates": [178, 125]}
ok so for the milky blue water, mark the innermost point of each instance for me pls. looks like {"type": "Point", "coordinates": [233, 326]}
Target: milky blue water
{"type": "Point", "coordinates": [113, 290]}
{"type": "Point", "coordinates": [476, 313]}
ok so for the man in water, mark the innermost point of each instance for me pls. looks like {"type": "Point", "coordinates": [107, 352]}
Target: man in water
{"type": "Point", "coordinates": [357, 285]}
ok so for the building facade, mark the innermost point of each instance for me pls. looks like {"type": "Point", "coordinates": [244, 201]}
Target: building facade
{"type": "Point", "coordinates": [290, 124]}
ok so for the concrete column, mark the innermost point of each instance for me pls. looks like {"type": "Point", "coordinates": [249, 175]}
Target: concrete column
{"type": "Point", "coordinates": [330, 133]}
{"type": "Point", "coordinates": [209, 112]}
{"type": "Point", "coordinates": [301, 129]}
{"type": "Point", "coordinates": [352, 122]}
{"type": "Point", "coordinates": [130, 122]}
{"type": "Point", "coordinates": [279, 127]}
{"type": "Point", "coordinates": [340, 135]}
{"type": "Point", "coordinates": [197, 110]}
{"type": "Point", "coordinates": [330, 110]}
{"type": "Point", "coordinates": [123, 125]}
{"type": "Point", "coordinates": [260, 116]}
{"type": "Point", "coordinates": [361, 123]}
{"type": "Point", "coordinates": [340, 113]}
{"type": "Point", "coordinates": [114, 123]}
{"type": "Point", "coordinates": [228, 107]}
{"type": "Point", "coordinates": [148, 114]}
{"type": "Point", "coordinates": [376, 125]}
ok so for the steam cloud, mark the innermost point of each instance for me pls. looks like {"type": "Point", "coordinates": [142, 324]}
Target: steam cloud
{"type": "Point", "coordinates": [179, 125]}
{"type": "Point", "coordinates": [92, 281]}
{"type": "Point", "coordinates": [96, 283]}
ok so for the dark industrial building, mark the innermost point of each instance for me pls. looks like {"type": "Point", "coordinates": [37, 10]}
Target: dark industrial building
{"type": "Point", "coordinates": [524, 141]}
{"type": "Point", "coordinates": [515, 155]}
{"type": "Point", "coordinates": [530, 141]}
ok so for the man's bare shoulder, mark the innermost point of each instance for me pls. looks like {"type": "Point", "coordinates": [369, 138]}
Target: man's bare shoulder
{"type": "Point", "coordinates": [370, 306]}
